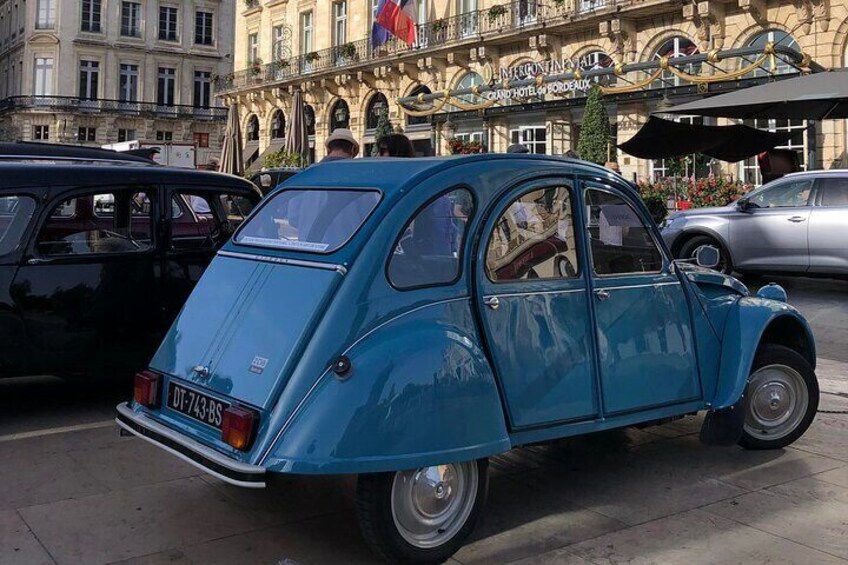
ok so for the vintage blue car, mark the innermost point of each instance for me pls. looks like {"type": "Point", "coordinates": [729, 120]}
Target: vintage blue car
{"type": "Point", "coordinates": [405, 319]}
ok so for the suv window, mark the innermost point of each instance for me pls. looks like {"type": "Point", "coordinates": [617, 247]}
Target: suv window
{"type": "Point", "coordinates": [15, 214]}
{"type": "Point", "coordinates": [98, 223]}
{"type": "Point", "coordinates": [790, 194]}
{"type": "Point", "coordinates": [429, 247]}
{"type": "Point", "coordinates": [534, 238]}
{"type": "Point", "coordinates": [834, 191]}
{"type": "Point", "coordinates": [621, 243]}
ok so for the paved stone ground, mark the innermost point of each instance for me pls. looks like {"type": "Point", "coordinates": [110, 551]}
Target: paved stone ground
{"type": "Point", "coordinates": [72, 491]}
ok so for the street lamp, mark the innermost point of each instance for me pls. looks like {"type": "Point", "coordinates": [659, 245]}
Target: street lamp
{"type": "Point", "coordinates": [341, 114]}
{"type": "Point", "coordinates": [449, 128]}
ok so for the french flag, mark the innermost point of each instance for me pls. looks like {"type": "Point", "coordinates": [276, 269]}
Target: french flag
{"type": "Point", "coordinates": [395, 17]}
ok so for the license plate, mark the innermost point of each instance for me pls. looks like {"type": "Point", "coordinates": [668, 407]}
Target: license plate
{"type": "Point", "coordinates": [196, 405]}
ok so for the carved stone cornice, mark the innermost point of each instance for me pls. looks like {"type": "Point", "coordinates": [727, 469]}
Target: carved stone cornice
{"type": "Point", "coordinates": [708, 18]}
{"type": "Point", "coordinates": [813, 11]}
{"type": "Point", "coordinates": [622, 33]}
{"type": "Point", "coordinates": [756, 8]}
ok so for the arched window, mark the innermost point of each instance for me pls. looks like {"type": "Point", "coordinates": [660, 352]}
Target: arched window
{"type": "Point", "coordinates": [597, 60]}
{"type": "Point", "coordinates": [674, 48]}
{"type": "Point", "coordinates": [339, 115]}
{"type": "Point", "coordinates": [253, 128]}
{"type": "Point", "coordinates": [418, 120]}
{"type": "Point", "coordinates": [376, 107]}
{"type": "Point", "coordinates": [469, 80]}
{"type": "Point", "coordinates": [309, 118]}
{"type": "Point", "coordinates": [278, 125]}
{"type": "Point", "coordinates": [778, 37]}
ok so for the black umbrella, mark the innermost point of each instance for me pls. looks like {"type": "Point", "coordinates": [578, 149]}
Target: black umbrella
{"type": "Point", "coordinates": [817, 96]}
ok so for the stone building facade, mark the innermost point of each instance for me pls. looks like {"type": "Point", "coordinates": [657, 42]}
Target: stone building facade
{"type": "Point", "coordinates": [323, 48]}
{"type": "Point", "coordinates": [102, 71]}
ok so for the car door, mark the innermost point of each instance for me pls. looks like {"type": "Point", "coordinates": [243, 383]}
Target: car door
{"type": "Point", "coordinates": [643, 325]}
{"type": "Point", "coordinates": [532, 297]}
{"type": "Point", "coordinates": [87, 287]}
{"type": "Point", "coordinates": [828, 231]}
{"type": "Point", "coordinates": [771, 232]}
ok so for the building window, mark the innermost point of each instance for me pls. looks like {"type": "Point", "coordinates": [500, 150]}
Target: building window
{"type": "Point", "coordinates": [46, 16]}
{"type": "Point", "coordinates": [281, 36]}
{"type": "Point", "coordinates": [418, 120]}
{"type": "Point", "coordinates": [777, 37]}
{"type": "Point", "coordinates": [164, 135]}
{"type": "Point", "coordinates": [91, 15]}
{"type": "Point", "coordinates": [43, 76]}
{"type": "Point", "coordinates": [89, 78]}
{"type": "Point", "coordinates": [165, 84]}
{"type": "Point", "coordinates": [203, 28]}
{"type": "Point", "coordinates": [130, 19]}
{"type": "Point", "coordinates": [340, 23]}
{"type": "Point", "coordinates": [278, 125]}
{"type": "Point", "coordinates": [252, 48]}
{"type": "Point", "coordinates": [306, 33]}
{"type": "Point", "coordinates": [125, 134]}
{"type": "Point", "coordinates": [41, 133]}
{"type": "Point", "coordinates": [202, 89]}
{"type": "Point", "coordinates": [87, 134]}
{"type": "Point", "coordinates": [376, 107]}
{"type": "Point", "coordinates": [798, 143]}
{"type": "Point", "coordinates": [339, 115]}
{"type": "Point", "coordinates": [201, 140]}
{"type": "Point", "coordinates": [128, 83]}
{"type": "Point", "coordinates": [167, 23]}
{"type": "Point", "coordinates": [672, 49]}
{"type": "Point", "coordinates": [534, 138]}
{"type": "Point", "coordinates": [253, 128]}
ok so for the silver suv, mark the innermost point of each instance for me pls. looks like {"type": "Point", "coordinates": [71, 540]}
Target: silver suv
{"type": "Point", "coordinates": [796, 224]}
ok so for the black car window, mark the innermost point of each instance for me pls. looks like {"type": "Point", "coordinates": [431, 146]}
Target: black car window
{"type": "Point", "coordinates": [834, 191]}
{"type": "Point", "coordinates": [789, 194]}
{"type": "Point", "coordinates": [236, 207]}
{"type": "Point", "coordinates": [429, 248]}
{"type": "Point", "coordinates": [101, 223]}
{"type": "Point", "coordinates": [620, 242]}
{"type": "Point", "coordinates": [534, 238]}
{"type": "Point", "coordinates": [193, 222]}
{"type": "Point", "coordinates": [15, 214]}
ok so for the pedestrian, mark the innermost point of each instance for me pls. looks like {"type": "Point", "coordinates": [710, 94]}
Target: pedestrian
{"type": "Point", "coordinates": [340, 144]}
{"type": "Point", "coordinates": [572, 154]}
{"type": "Point", "coordinates": [517, 148]}
{"type": "Point", "coordinates": [396, 145]}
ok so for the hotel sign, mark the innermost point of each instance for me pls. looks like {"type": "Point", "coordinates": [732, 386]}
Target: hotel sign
{"type": "Point", "coordinates": [534, 69]}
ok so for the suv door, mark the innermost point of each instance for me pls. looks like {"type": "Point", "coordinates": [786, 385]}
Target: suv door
{"type": "Point", "coordinates": [532, 298]}
{"type": "Point", "coordinates": [87, 288]}
{"type": "Point", "coordinates": [828, 231]}
{"type": "Point", "coordinates": [644, 330]}
{"type": "Point", "coordinates": [772, 232]}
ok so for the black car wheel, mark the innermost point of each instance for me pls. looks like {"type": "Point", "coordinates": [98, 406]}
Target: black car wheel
{"type": "Point", "coordinates": [690, 248]}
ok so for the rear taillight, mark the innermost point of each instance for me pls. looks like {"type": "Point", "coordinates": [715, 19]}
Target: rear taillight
{"type": "Point", "coordinates": [238, 427]}
{"type": "Point", "coordinates": [147, 388]}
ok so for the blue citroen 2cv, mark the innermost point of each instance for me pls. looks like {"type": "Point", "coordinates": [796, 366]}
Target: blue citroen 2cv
{"type": "Point", "coordinates": [405, 319]}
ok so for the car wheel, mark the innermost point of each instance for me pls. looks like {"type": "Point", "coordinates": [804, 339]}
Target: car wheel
{"type": "Point", "coordinates": [690, 248]}
{"type": "Point", "coordinates": [421, 515]}
{"type": "Point", "coordinates": [782, 398]}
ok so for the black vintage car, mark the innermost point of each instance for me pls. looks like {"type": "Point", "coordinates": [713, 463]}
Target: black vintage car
{"type": "Point", "coordinates": [98, 254]}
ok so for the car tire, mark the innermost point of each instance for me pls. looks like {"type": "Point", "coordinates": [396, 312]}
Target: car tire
{"type": "Point", "coordinates": [782, 398]}
{"type": "Point", "coordinates": [687, 251]}
{"type": "Point", "coordinates": [399, 512]}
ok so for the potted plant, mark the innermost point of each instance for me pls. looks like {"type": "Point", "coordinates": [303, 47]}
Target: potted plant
{"type": "Point", "coordinates": [311, 57]}
{"type": "Point", "coordinates": [256, 66]}
{"type": "Point", "coordinates": [439, 25]}
{"type": "Point", "coordinates": [495, 12]}
{"type": "Point", "coordinates": [348, 51]}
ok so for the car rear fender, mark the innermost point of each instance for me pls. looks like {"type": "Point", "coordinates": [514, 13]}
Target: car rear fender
{"type": "Point", "coordinates": [752, 322]}
{"type": "Point", "coordinates": [419, 391]}
{"type": "Point", "coordinates": [712, 229]}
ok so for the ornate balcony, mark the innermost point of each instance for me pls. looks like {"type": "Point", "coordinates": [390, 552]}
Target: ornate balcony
{"type": "Point", "coordinates": [139, 109]}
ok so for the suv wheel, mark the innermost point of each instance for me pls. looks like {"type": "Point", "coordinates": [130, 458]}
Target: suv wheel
{"type": "Point", "coordinates": [690, 248]}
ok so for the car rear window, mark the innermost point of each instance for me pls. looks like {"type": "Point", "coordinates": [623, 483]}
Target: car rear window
{"type": "Point", "coordinates": [15, 213]}
{"type": "Point", "coordinates": [315, 221]}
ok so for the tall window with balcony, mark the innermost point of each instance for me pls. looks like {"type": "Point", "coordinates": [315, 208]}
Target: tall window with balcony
{"type": "Point", "coordinates": [203, 28]}
{"type": "Point", "coordinates": [43, 76]}
{"type": "Point", "coordinates": [89, 80]}
{"type": "Point", "coordinates": [306, 41]}
{"type": "Point", "coordinates": [45, 14]}
{"type": "Point", "coordinates": [91, 12]}
{"type": "Point", "coordinates": [128, 83]}
{"type": "Point", "coordinates": [130, 19]}
{"type": "Point", "coordinates": [281, 34]}
{"type": "Point", "coordinates": [168, 23]}
{"type": "Point", "coordinates": [252, 48]}
{"type": "Point", "coordinates": [467, 12]}
{"type": "Point", "coordinates": [341, 51]}
{"type": "Point", "coordinates": [166, 80]}
{"type": "Point", "coordinates": [202, 89]}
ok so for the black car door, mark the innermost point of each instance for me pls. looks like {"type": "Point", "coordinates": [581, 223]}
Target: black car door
{"type": "Point", "coordinates": [87, 287]}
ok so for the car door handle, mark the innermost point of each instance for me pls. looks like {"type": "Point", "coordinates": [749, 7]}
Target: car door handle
{"type": "Point", "coordinates": [602, 294]}
{"type": "Point", "coordinates": [38, 261]}
{"type": "Point", "coordinates": [797, 219]}
{"type": "Point", "coordinates": [492, 302]}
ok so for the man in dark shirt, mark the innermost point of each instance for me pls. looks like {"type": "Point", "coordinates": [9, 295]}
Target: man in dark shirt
{"type": "Point", "coordinates": [341, 145]}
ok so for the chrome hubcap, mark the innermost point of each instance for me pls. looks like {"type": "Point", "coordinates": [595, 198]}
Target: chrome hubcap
{"type": "Point", "coordinates": [778, 400]}
{"type": "Point", "coordinates": [431, 504]}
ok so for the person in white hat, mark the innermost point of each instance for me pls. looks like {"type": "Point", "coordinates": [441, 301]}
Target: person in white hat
{"type": "Point", "coordinates": [341, 144]}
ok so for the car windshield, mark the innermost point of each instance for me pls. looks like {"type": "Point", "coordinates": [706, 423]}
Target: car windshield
{"type": "Point", "coordinates": [15, 213]}
{"type": "Point", "coordinates": [316, 221]}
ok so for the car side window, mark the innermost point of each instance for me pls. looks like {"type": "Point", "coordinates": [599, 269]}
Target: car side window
{"type": "Point", "coordinates": [620, 242]}
{"type": "Point", "coordinates": [236, 207]}
{"type": "Point", "coordinates": [534, 238]}
{"type": "Point", "coordinates": [193, 222]}
{"type": "Point", "coordinates": [790, 194]}
{"type": "Point", "coordinates": [429, 248]}
{"type": "Point", "coordinates": [99, 223]}
{"type": "Point", "coordinates": [834, 191]}
{"type": "Point", "coordinates": [15, 214]}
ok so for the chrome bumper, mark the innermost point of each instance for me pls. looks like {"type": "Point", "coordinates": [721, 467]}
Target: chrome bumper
{"type": "Point", "coordinates": [190, 451]}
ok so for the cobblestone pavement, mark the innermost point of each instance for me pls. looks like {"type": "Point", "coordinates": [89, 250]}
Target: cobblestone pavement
{"type": "Point", "coordinates": [72, 491]}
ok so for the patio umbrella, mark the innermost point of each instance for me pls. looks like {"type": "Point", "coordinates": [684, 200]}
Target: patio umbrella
{"type": "Point", "coordinates": [231, 157]}
{"type": "Point", "coordinates": [816, 96]}
{"type": "Point", "coordinates": [297, 138]}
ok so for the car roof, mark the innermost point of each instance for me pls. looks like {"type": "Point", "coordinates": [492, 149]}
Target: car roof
{"type": "Point", "coordinates": [38, 150]}
{"type": "Point", "coordinates": [817, 173]}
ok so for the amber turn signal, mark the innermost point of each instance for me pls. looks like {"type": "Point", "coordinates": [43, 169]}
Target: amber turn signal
{"type": "Point", "coordinates": [238, 426]}
{"type": "Point", "coordinates": [146, 389]}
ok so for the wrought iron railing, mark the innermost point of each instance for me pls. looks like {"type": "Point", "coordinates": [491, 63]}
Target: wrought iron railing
{"type": "Point", "coordinates": [500, 19]}
{"type": "Point", "coordinates": [124, 108]}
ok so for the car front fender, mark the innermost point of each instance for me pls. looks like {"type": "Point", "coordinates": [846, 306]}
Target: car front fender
{"type": "Point", "coordinates": [751, 322]}
{"type": "Point", "coordinates": [419, 392]}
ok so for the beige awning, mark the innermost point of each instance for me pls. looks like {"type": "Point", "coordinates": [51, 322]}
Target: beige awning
{"type": "Point", "coordinates": [250, 154]}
